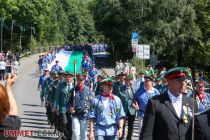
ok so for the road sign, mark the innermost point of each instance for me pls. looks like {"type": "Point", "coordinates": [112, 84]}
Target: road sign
{"type": "Point", "coordinates": [135, 35]}
{"type": "Point", "coordinates": [143, 51]}
{"type": "Point", "coordinates": [134, 38]}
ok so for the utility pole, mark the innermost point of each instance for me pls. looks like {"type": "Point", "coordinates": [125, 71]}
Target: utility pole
{"type": "Point", "coordinates": [2, 23]}
{"type": "Point", "coordinates": [11, 34]}
{"type": "Point", "coordinates": [20, 35]}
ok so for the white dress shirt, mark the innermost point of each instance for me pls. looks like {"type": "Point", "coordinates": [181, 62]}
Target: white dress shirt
{"type": "Point", "coordinates": [176, 102]}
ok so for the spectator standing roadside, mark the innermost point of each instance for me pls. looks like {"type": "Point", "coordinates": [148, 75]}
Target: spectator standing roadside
{"type": "Point", "coordinates": [2, 69]}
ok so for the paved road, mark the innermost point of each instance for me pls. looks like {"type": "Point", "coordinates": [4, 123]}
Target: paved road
{"type": "Point", "coordinates": [31, 112]}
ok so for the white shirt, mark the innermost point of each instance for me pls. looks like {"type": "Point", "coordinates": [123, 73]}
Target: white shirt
{"type": "Point", "coordinates": [176, 102]}
{"type": "Point", "coordinates": [2, 65]}
{"type": "Point", "coordinates": [105, 101]}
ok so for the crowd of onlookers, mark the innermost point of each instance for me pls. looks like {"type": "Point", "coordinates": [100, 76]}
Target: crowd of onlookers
{"type": "Point", "coordinates": [9, 63]}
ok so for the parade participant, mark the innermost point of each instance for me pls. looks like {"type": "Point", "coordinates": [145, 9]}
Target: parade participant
{"type": "Point", "coordinates": [41, 84]}
{"type": "Point", "coordinates": [86, 62]}
{"type": "Point", "coordinates": [88, 79]}
{"type": "Point", "coordinates": [126, 96]}
{"type": "Point", "coordinates": [57, 118]}
{"type": "Point", "coordinates": [98, 87]}
{"type": "Point", "coordinates": [56, 67]}
{"type": "Point", "coordinates": [149, 71]}
{"type": "Point", "coordinates": [79, 107]}
{"type": "Point", "coordinates": [62, 98]}
{"type": "Point", "coordinates": [9, 119]}
{"type": "Point", "coordinates": [51, 97]}
{"type": "Point", "coordinates": [119, 83]}
{"type": "Point", "coordinates": [202, 126]}
{"type": "Point", "coordinates": [140, 80]}
{"type": "Point", "coordinates": [202, 98]}
{"type": "Point", "coordinates": [45, 94]}
{"type": "Point", "coordinates": [93, 74]}
{"type": "Point", "coordinates": [158, 84]}
{"type": "Point", "coordinates": [107, 113]}
{"type": "Point", "coordinates": [143, 95]}
{"type": "Point", "coordinates": [167, 116]}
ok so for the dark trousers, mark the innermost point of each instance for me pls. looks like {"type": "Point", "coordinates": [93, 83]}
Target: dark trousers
{"type": "Point", "coordinates": [2, 74]}
{"type": "Point", "coordinates": [130, 120]}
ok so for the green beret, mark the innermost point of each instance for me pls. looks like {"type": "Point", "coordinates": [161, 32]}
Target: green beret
{"type": "Point", "coordinates": [177, 73]}
{"type": "Point", "coordinates": [81, 75]}
{"type": "Point", "coordinates": [61, 72]}
{"type": "Point", "coordinates": [55, 75]}
{"type": "Point", "coordinates": [107, 81]}
{"type": "Point", "coordinates": [52, 73]}
{"type": "Point", "coordinates": [68, 73]}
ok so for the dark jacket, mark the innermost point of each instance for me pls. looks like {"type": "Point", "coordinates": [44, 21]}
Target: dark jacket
{"type": "Point", "coordinates": [161, 121]}
{"type": "Point", "coordinates": [202, 126]}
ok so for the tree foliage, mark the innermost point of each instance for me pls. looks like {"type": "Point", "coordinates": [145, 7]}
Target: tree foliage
{"type": "Point", "coordinates": [172, 28]}
{"type": "Point", "coordinates": [54, 22]}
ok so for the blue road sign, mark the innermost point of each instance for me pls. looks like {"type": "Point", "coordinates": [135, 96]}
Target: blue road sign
{"type": "Point", "coordinates": [135, 35]}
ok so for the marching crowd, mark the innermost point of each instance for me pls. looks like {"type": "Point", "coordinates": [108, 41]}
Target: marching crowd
{"type": "Point", "coordinates": [164, 105]}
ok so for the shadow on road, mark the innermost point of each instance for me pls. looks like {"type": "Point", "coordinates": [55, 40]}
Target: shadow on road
{"type": "Point", "coordinates": [38, 115]}
{"type": "Point", "coordinates": [33, 126]}
{"type": "Point", "coordinates": [32, 119]}
{"type": "Point", "coordinates": [34, 112]}
{"type": "Point", "coordinates": [31, 122]}
{"type": "Point", "coordinates": [32, 105]}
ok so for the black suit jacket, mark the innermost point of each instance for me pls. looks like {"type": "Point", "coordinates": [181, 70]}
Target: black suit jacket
{"type": "Point", "coordinates": [161, 121]}
{"type": "Point", "coordinates": [202, 126]}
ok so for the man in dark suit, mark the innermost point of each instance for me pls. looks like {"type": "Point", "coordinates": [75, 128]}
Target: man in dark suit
{"type": "Point", "coordinates": [167, 116]}
{"type": "Point", "coordinates": [202, 126]}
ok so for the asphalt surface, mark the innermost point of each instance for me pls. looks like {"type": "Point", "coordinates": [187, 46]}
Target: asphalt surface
{"type": "Point", "coordinates": [31, 112]}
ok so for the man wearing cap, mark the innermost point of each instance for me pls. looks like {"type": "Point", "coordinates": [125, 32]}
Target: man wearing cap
{"type": "Point", "coordinates": [119, 83]}
{"type": "Point", "coordinates": [79, 104]}
{"type": "Point", "coordinates": [51, 98]}
{"type": "Point", "coordinates": [149, 71]}
{"type": "Point", "coordinates": [88, 79]}
{"type": "Point", "coordinates": [143, 95]}
{"type": "Point", "coordinates": [41, 86]}
{"type": "Point", "coordinates": [107, 113]}
{"type": "Point", "coordinates": [202, 98]}
{"type": "Point", "coordinates": [167, 116]}
{"type": "Point", "coordinates": [126, 94]}
{"type": "Point", "coordinates": [93, 74]}
{"type": "Point", "coordinates": [56, 67]}
{"type": "Point", "coordinates": [86, 63]}
{"type": "Point", "coordinates": [46, 91]}
{"type": "Point", "coordinates": [62, 96]}
{"type": "Point", "coordinates": [98, 87]}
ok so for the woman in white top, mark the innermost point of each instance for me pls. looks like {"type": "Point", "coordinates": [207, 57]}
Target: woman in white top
{"type": "Point", "coordinates": [2, 69]}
